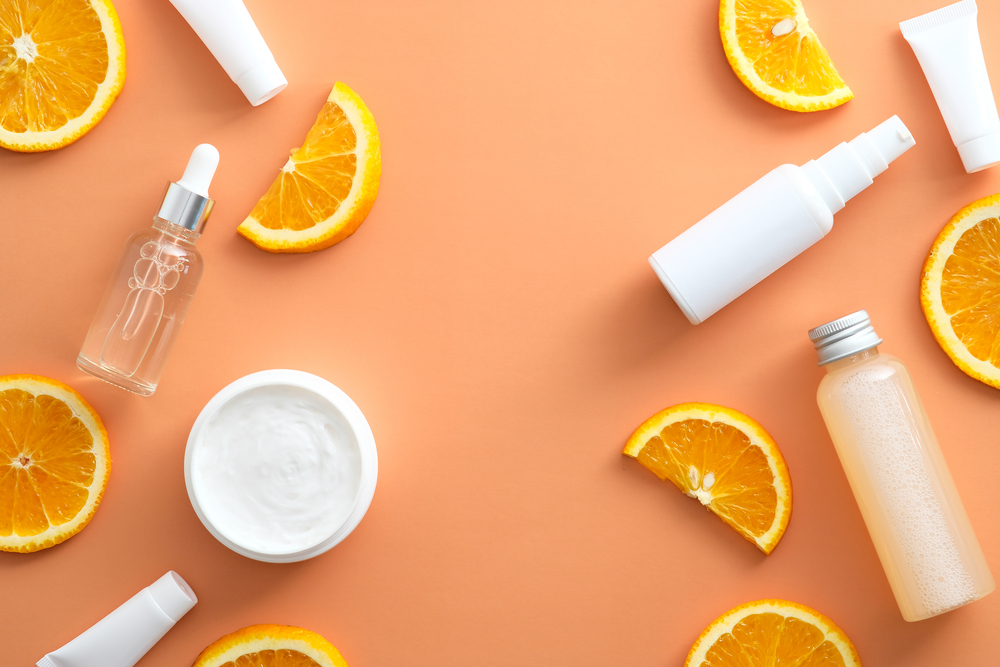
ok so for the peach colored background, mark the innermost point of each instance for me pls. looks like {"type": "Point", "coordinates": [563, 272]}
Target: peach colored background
{"type": "Point", "coordinates": [497, 322]}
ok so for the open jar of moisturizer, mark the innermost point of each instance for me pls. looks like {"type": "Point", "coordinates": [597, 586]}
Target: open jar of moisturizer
{"type": "Point", "coordinates": [280, 466]}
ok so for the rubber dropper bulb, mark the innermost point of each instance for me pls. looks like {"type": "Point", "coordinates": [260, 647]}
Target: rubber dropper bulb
{"type": "Point", "coordinates": [200, 169]}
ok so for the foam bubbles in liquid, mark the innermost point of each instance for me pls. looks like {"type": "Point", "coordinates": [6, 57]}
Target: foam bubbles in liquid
{"type": "Point", "coordinates": [896, 465]}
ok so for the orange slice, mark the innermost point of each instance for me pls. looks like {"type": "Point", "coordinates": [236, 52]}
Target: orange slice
{"type": "Point", "coordinates": [724, 459]}
{"type": "Point", "coordinates": [326, 189]}
{"type": "Point", "coordinates": [62, 64]}
{"type": "Point", "coordinates": [773, 633]}
{"type": "Point", "coordinates": [775, 53]}
{"type": "Point", "coordinates": [54, 462]}
{"type": "Point", "coordinates": [960, 289]}
{"type": "Point", "coordinates": [271, 646]}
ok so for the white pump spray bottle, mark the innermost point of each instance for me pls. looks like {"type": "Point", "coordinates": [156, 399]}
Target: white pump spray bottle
{"type": "Point", "coordinates": [759, 230]}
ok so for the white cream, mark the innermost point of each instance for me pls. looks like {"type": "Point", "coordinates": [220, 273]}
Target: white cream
{"type": "Point", "coordinates": [276, 469]}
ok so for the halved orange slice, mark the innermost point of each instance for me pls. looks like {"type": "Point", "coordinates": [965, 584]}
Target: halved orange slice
{"type": "Point", "coordinates": [724, 459]}
{"type": "Point", "coordinates": [326, 189]}
{"type": "Point", "coordinates": [773, 633]}
{"type": "Point", "coordinates": [271, 646]}
{"type": "Point", "coordinates": [775, 53]}
{"type": "Point", "coordinates": [62, 64]}
{"type": "Point", "coordinates": [960, 289]}
{"type": "Point", "coordinates": [54, 462]}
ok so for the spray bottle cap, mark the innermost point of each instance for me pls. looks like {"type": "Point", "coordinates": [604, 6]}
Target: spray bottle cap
{"type": "Point", "coordinates": [186, 202]}
{"type": "Point", "coordinates": [850, 167]}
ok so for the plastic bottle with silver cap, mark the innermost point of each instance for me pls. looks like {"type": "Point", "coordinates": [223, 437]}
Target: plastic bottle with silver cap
{"type": "Point", "coordinates": [149, 293]}
{"type": "Point", "coordinates": [894, 465]}
{"type": "Point", "coordinates": [759, 230]}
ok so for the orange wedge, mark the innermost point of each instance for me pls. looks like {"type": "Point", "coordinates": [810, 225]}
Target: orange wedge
{"type": "Point", "coordinates": [724, 459]}
{"type": "Point", "coordinates": [960, 289]}
{"type": "Point", "coordinates": [62, 64]}
{"type": "Point", "coordinates": [326, 189]}
{"type": "Point", "coordinates": [773, 633]}
{"type": "Point", "coordinates": [271, 646]}
{"type": "Point", "coordinates": [54, 462]}
{"type": "Point", "coordinates": [775, 53]}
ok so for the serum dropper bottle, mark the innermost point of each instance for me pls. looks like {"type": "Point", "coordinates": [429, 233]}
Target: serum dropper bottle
{"type": "Point", "coordinates": [151, 288]}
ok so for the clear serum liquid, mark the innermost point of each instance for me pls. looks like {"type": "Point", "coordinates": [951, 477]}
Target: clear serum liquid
{"type": "Point", "coordinates": [152, 287]}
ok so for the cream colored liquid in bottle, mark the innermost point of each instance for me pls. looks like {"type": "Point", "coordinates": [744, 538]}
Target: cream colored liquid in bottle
{"type": "Point", "coordinates": [898, 475]}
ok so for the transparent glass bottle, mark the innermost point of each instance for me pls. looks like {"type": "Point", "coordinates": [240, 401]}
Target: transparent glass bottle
{"type": "Point", "coordinates": [900, 480]}
{"type": "Point", "coordinates": [150, 290]}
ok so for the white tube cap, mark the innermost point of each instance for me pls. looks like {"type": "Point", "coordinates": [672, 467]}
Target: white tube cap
{"type": "Point", "coordinates": [981, 153]}
{"type": "Point", "coordinates": [173, 595]}
{"type": "Point", "coordinates": [262, 82]}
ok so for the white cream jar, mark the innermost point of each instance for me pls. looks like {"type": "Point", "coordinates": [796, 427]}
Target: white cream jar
{"type": "Point", "coordinates": [280, 466]}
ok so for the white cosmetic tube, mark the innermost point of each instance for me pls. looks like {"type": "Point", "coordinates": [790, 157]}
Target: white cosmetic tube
{"type": "Point", "coordinates": [122, 637]}
{"type": "Point", "coordinates": [946, 43]}
{"type": "Point", "coordinates": [233, 38]}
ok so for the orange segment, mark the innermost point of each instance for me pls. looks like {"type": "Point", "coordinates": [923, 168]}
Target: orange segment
{"type": "Point", "coordinates": [960, 289]}
{"type": "Point", "coordinates": [724, 459]}
{"type": "Point", "coordinates": [326, 189]}
{"type": "Point", "coordinates": [775, 53]}
{"type": "Point", "coordinates": [772, 633]}
{"type": "Point", "coordinates": [271, 646]}
{"type": "Point", "coordinates": [54, 462]}
{"type": "Point", "coordinates": [62, 64]}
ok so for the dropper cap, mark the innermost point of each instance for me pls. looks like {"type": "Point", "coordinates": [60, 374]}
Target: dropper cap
{"type": "Point", "coordinates": [186, 202]}
{"type": "Point", "coordinates": [851, 167]}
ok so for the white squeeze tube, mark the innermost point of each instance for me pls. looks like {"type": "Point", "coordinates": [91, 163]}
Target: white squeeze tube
{"type": "Point", "coordinates": [233, 38]}
{"type": "Point", "coordinates": [122, 637]}
{"type": "Point", "coordinates": [756, 232]}
{"type": "Point", "coordinates": [946, 43]}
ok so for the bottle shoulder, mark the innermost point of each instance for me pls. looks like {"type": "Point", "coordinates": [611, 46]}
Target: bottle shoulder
{"type": "Point", "coordinates": [883, 365]}
{"type": "Point", "coordinates": [807, 194]}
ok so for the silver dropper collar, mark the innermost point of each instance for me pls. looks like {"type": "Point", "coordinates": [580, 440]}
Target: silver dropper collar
{"type": "Point", "coordinates": [186, 202]}
{"type": "Point", "coordinates": [185, 208]}
{"type": "Point", "coordinates": [844, 337]}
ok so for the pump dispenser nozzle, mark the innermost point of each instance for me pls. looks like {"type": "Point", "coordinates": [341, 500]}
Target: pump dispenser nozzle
{"type": "Point", "coordinates": [849, 168]}
{"type": "Point", "coordinates": [186, 202]}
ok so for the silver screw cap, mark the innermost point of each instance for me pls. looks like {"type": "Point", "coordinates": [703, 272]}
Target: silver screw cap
{"type": "Point", "coordinates": [186, 202]}
{"type": "Point", "coordinates": [844, 337]}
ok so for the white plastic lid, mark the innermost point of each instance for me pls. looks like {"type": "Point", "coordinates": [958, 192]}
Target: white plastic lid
{"type": "Point", "coordinates": [981, 153]}
{"type": "Point", "coordinates": [173, 595]}
{"type": "Point", "coordinates": [262, 82]}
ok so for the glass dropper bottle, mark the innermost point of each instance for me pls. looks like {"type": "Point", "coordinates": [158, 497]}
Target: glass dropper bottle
{"type": "Point", "coordinates": [150, 290]}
